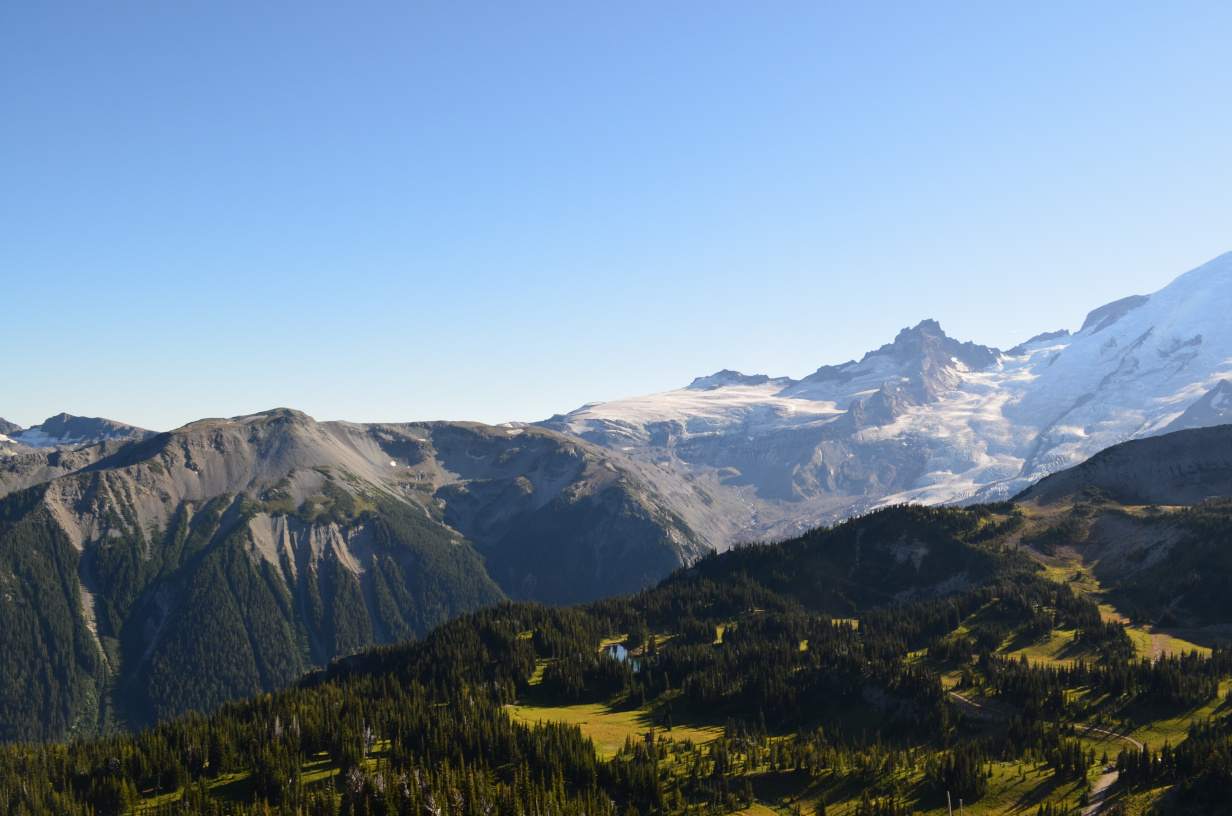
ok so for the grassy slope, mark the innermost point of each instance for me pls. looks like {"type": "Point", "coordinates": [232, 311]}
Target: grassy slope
{"type": "Point", "coordinates": [1014, 787]}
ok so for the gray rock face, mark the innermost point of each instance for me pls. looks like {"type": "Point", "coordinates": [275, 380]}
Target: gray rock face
{"type": "Point", "coordinates": [68, 430]}
{"type": "Point", "coordinates": [809, 454]}
{"type": "Point", "coordinates": [285, 542]}
{"type": "Point", "coordinates": [486, 482]}
{"type": "Point", "coordinates": [557, 520]}
{"type": "Point", "coordinates": [1103, 317]}
{"type": "Point", "coordinates": [7, 427]}
{"type": "Point", "coordinates": [1021, 348]}
{"type": "Point", "coordinates": [920, 353]}
{"type": "Point", "coordinates": [1212, 408]}
{"type": "Point", "coordinates": [918, 366]}
{"type": "Point", "coordinates": [1181, 468]}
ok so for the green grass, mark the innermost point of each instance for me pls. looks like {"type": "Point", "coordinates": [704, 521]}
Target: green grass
{"type": "Point", "coordinates": [1020, 788]}
{"type": "Point", "coordinates": [1153, 724]}
{"type": "Point", "coordinates": [1143, 802]}
{"type": "Point", "coordinates": [757, 809]}
{"type": "Point", "coordinates": [607, 725]}
{"type": "Point", "coordinates": [239, 787]}
{"type": "Point", "coordinates": [1013, 788]}
{"type": "Point", "coordinates": [1153, 642]}
{"type": "Point", "coordinates": [1058, 648]}
{"type": "Point", "coordinates": [608, 728]}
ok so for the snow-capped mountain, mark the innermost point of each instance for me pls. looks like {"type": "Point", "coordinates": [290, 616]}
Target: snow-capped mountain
{"type": "Point", "coordinates": [8, 445]}
{"type": "Point", "coordinates": [929, 419]}
{"type": "Point", "coordinates": [65, 430]}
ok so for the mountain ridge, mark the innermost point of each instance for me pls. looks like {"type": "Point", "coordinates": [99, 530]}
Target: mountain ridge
{"type": "Point", "coordinates": [984, 675]}
{"type": "Point", "coordinates": [152, 576]}
{"type": "Point", "coordinates": [67, 430]}
{"type": "Point", "coordinates": [927, 418]}
{"type": "Point", "coordinates": [1182, 467]}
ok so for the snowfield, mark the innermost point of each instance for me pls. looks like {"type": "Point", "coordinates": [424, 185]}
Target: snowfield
{"type": "Point", "coordinates": [912, 422]}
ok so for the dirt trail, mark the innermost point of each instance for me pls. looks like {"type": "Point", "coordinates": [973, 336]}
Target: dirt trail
{"type": "Point", "coordinates": [1102, 786]}
{"type": "Point", "coordinates": [1099, 793]}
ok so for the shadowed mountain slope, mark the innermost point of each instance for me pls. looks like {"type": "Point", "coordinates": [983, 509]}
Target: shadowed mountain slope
{"type": "Point", "coordinates": [146, 578]}
{"type": "Point", "coordinates": [1179, 468]}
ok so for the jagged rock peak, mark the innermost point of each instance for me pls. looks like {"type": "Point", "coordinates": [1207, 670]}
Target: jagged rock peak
{"type": "Point", "coordinates": [729, 377]}
{"type": "Point", "coordinates": [927, 341]}
{"type": "Point", "coordinates": [7, 427]}
{"type": "Point", "coordinates": [920, 350]}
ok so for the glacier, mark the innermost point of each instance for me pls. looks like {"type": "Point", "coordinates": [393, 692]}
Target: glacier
{"type": "Point", "coordinates": [927, 418]}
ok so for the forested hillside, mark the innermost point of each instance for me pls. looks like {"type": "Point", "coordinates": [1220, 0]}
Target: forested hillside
{"type": "Point", "coordinates": [188, 618]}
{"type": "Point", "coordinates": [772, 678]}
{"type": "Point", "coordinates": [146, 578]}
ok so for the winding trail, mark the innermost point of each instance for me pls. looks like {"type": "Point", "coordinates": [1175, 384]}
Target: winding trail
{"type": "Point", "coordinates": [1099, 791]}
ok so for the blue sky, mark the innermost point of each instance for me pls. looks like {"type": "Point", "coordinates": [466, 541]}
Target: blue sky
{"type": "Point", "coordinates": [409, 211]}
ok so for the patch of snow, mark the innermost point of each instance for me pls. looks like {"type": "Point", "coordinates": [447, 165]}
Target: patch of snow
{"type": "Point", "coordinates": [37, 439]}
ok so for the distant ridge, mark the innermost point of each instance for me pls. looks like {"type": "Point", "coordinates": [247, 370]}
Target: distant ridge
{"type": "Point", "coordinates": [1213, 408]}
{"type": "Point", "coordinates": [1180, 468]}
{"type": "Point", "coordinates": [66, 429]}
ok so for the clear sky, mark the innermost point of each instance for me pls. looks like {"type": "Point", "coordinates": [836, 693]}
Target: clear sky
{"type": "Point", "coordinates": [500, 211]}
